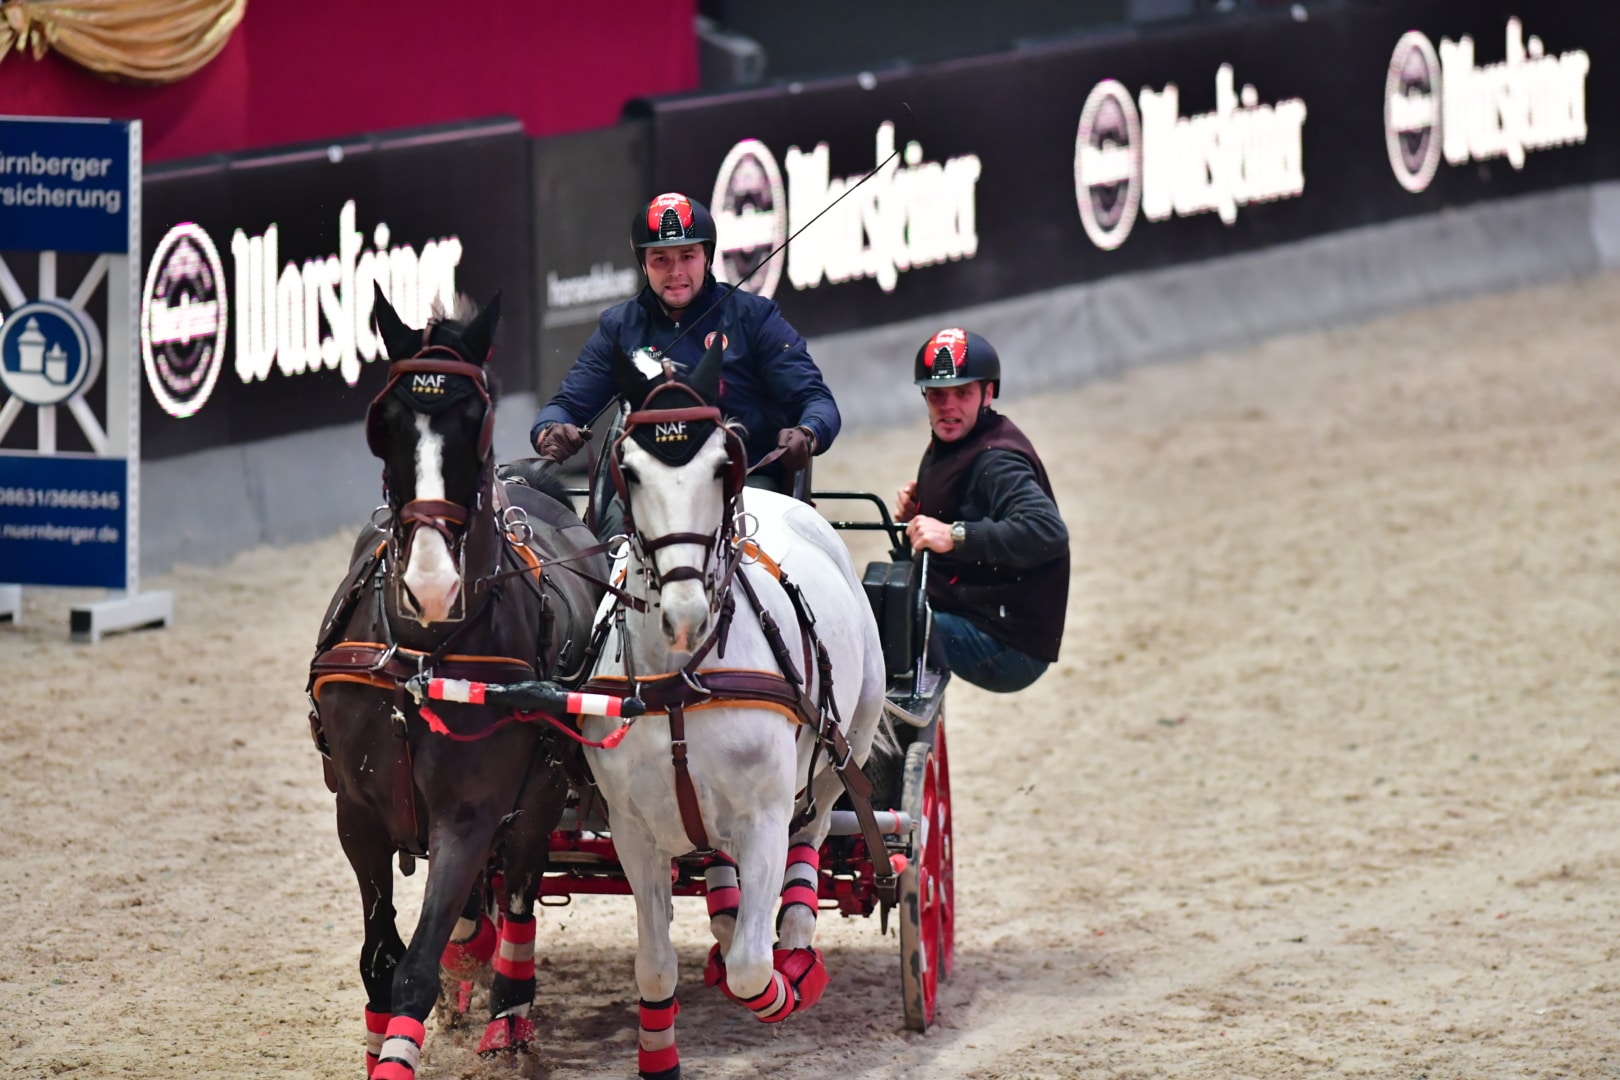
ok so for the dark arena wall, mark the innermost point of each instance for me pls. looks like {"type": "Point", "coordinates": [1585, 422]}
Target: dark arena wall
{"type": "Point", "coordinates": [1088, 204]}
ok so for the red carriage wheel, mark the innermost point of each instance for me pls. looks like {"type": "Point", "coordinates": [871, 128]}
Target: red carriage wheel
{"type": "Point", "coordinates": [947, 866]}
{"type": "Point", "coordinates": [922, 898]}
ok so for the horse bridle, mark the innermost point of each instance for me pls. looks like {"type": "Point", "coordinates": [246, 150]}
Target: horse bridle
{"type": "Point", "coordinates": [736, 474]}
{"type": "Point", "coordinates": [441, 515]}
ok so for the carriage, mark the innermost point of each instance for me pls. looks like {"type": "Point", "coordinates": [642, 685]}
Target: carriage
{"type": "Point", "coordinates": [911, 795]}
{"type": "Point", "coordinates": [436, 734]}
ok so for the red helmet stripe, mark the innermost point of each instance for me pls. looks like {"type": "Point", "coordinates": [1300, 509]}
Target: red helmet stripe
{"type": "Point", "coordinates": [665, 211]}
{"type": "Point", "coordinates": [945, 351]}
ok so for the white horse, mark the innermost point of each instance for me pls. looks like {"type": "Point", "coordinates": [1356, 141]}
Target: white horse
{"type": "Point", "coordinates": [746, 756]}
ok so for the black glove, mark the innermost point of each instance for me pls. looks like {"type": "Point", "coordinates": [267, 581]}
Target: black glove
{"type": "Point", "coordinates": [798, 446]}
{"type": "Point", "coordinates": [559, 442]}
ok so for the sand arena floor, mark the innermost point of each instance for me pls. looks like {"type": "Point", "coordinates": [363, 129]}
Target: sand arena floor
{"type": "Point", "coordinates": [1325, 784]}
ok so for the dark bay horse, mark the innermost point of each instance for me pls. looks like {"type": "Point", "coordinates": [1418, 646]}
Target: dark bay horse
{"type": "Point", "coordinates": [456, 582]}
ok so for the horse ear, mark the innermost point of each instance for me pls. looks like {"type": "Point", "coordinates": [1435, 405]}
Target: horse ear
{"type": "Point", "coordinates": [398, 339]}
{"type": "Point", "coordinates": [479, 337]}
{"type": "Point", "coordinates": [705, 378]}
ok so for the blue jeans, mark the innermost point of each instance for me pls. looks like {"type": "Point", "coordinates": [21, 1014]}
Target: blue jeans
{"type": "Point", "coordinates": [979, 658]}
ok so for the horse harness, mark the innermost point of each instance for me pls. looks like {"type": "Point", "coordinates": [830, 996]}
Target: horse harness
{"type": "Point", "coordinates": [677, 692]}
{"type": "Point", "coordinates": [386, 664]}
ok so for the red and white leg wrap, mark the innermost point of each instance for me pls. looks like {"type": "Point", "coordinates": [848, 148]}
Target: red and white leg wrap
{"type": "Point", "coordinates": [775, 1002]}
{"type": "Point", "coordinates": [515, 957]}
{"type": "Point", "coordinates": [376, 1028]}
{"type": "Point", "coordinates": [720, 886]}
{"type": "Point", "coordinates": [656, 1055]}
{"type": "Point", "coordinates": [463, 959]}
{"type": "Point", "coordinates": [401, 1050]}
{"type": "Point", "coordinates": [799, 883]}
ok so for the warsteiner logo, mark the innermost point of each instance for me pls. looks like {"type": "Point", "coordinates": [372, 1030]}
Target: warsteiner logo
{"type": "Point", "coordinates": [750, 216]}
{"type": "Point", "coordinates": [183, 320]}
{"type": "Point", "coordinates": [1412, 111]}
{"type": "Point", "coordinates": [1146, 155]}
{"type": "Point", "coordinates": [1108, 164]}
{"type": "Point", "coordinates": [708, 342]}
{"type": "Point", "coordinates": [910, 213]}
{"type": "Point", "coordinates": [1434, 104]}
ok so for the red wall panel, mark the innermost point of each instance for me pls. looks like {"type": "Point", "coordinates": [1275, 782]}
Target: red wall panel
{"type": "Point", "coordinates": [297, 70]}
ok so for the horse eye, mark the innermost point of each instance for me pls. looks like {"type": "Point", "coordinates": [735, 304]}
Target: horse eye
{"type": "Point", "coordinates": [629, 474]}
{"type": "Point", "coordinates": [720, 470]}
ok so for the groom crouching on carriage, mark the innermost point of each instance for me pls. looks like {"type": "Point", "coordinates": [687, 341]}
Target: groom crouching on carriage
{"type": "Point", "coordinates": [998, 578]}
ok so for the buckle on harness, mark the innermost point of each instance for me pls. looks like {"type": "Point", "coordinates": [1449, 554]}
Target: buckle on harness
{"type": "Point", "coordinates": [699, 687]}
{"type": "Point", "coordinates": [849, 752]}
{"type": "Point", "coordinates": [382, 661]}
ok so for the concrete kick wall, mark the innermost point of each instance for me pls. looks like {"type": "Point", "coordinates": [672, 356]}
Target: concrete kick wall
{"type": "Point", "coordinates": [1066, 336]}
{"type": "Point", "coordinates": [205, 507]}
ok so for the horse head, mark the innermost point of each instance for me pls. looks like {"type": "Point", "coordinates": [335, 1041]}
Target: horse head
{"type": "Point", "coordinates": [433, 425]}
{"type": "Point", "coordinates": [680, 471]}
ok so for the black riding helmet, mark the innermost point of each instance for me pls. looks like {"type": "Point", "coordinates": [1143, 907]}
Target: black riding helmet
{"type": "Point", "coordinates": [954, 356]}
{"type": "Point", "coordinates": [673, 220]}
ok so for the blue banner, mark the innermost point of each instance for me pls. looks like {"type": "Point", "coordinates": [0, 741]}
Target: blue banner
{"type": "Point", "coordinates": [63, 520]}
{"type": "Point", "coordinates": [64, 185]}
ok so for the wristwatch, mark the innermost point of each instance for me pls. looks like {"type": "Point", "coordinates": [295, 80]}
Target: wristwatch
{"type": "Point", "coordinates": [958, 534]}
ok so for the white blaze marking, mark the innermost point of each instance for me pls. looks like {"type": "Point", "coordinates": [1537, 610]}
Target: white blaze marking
{"type": "Point", "coordinates": [431, 573]}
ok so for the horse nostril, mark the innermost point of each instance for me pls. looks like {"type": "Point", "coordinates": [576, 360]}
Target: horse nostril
{"type": "Point", "coordinates": [669, 627]}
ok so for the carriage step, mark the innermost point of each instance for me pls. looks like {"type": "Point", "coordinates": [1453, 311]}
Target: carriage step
{"type": "Point", "coordinates": [889, 822]}
{"type": "Point", "coordinates": [917, 705]}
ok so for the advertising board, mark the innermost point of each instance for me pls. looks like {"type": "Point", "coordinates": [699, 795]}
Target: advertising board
{"type": "Point", "coordinates": [69, 385]}
{"type": "Point", "coordinates": [66, 442]}
{"type": "Point", "coordinates": [255, 316]}
{"type": "Point", "coordinates": [1009, 174]}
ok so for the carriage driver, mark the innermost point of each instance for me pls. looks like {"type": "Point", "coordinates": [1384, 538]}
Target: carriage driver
{"type": "Point", "coordinates": [768, 381]}
{"type": "Point", "coordinates": [998, 578]}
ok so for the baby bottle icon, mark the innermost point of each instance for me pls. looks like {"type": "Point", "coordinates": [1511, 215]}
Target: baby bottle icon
{"type": "Point", "coordinates": [31, 349]}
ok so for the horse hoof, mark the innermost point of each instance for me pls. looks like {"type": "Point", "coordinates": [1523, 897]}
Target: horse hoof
{"type": "Point", "coordinates": [464, 959]}
{"type": "Point", "coordinates": [805, 973]}
{"type": "Point", "coordinates": [506, 1033]}
{"type": "Point", "coordinates": [671, 1073]}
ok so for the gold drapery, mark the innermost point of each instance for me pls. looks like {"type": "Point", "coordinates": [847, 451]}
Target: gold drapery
{"type": "Point", "coordinates": [148, 41]}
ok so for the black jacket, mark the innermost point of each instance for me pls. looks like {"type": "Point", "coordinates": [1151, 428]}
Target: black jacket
{"type": "Point", "coordinates": [1010, 574]}
{"type": "Point", "coordinates": [1008, 519]}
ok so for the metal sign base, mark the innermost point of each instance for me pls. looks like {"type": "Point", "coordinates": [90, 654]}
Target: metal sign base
{"type": "Point", "coordinates": [10, 603]}
{"type": "Point", "coordinates": [120, 611]}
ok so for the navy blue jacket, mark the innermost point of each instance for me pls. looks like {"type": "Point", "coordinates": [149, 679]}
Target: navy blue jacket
{"type": "Point", "coordinates": [767, 381]}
